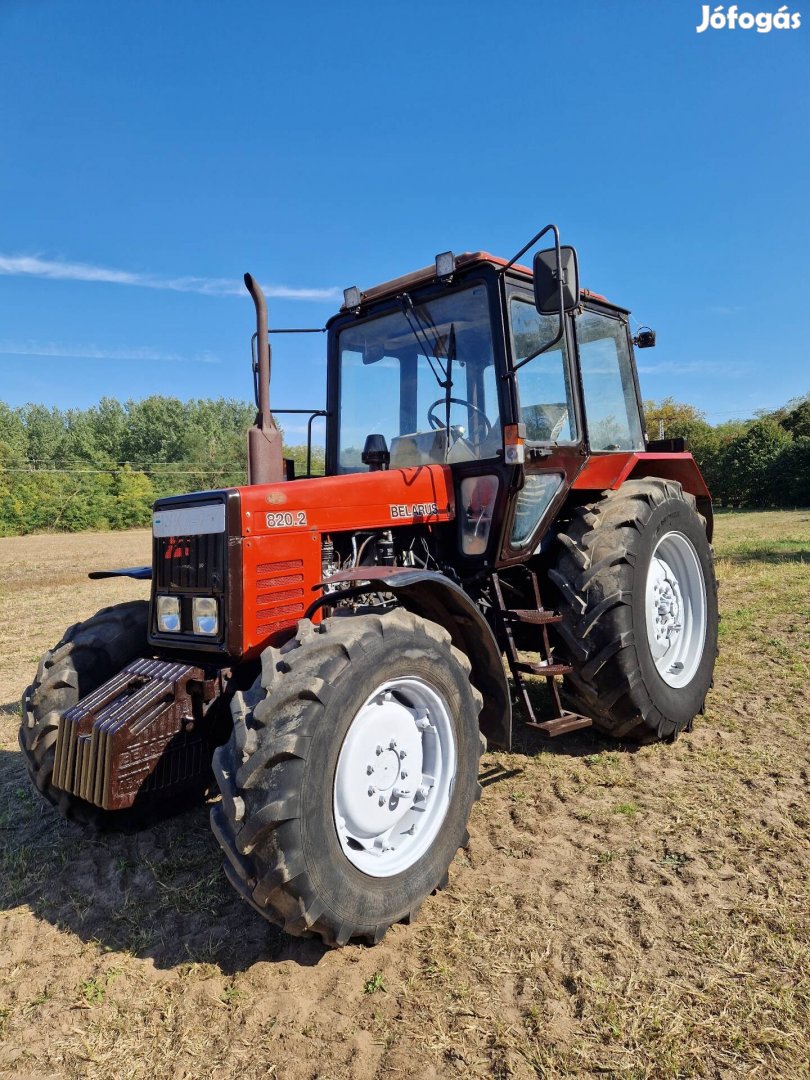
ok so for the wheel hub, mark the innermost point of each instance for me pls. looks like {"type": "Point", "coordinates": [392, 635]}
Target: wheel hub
{"type": "Point", "coordinates": [393, 777]}
{"type": "Point", "coordinates": [675, 609]}
{"type": "Point", "coordinates": [668, 604]}
{"type": "Point", "coordinates": [381, 744]}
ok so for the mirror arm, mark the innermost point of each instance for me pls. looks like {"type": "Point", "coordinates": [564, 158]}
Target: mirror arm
{"type": "Point", "coordinates": [543, 348]}
{"type": "Point", "coordinates": [532, 242]}
{"type": "Point", "coordinates": [560, 293]}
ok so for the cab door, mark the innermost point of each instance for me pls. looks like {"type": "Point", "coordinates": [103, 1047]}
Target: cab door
{"type": "Point", "coordinates": [547, 403]}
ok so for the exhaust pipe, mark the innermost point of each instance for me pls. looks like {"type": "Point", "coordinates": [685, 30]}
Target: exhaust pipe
{"type": "Point", "coordinates": [265, 461]}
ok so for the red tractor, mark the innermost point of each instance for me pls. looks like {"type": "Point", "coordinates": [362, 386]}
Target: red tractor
{"type": "Point", "coordinates": [332, 647]}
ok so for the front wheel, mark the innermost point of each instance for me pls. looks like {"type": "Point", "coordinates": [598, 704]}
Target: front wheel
{"type": "Point", "coordinates": [350, 775]}
{"type": "Point", "coordinates": [638, 596]}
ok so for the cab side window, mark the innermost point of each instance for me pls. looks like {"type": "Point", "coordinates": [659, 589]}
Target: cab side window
{"type": "Point", "coordinates": [611, 407]}
{"type": "Point", "coordinates": [546, 406]}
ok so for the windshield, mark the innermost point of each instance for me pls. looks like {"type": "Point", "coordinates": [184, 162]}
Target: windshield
{"type": "Point", "coordinates": [403, 375]}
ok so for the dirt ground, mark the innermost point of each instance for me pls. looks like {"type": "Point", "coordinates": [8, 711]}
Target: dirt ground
{"type": "Point", "coordinates": [618, 913]}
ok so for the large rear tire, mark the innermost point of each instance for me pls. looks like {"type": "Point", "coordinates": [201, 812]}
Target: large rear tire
{"type": "Point", "coordinates": [88, 654]}
{"type": "Point", "coordinates": [638, 596]}
{"type": "Point", "coordinates": [350, 775]}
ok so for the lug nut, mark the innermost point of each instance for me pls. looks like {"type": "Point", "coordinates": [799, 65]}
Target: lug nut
{"type": "Point", "coordinates": [371, 791]}
{"type": "Point", "coordinates": [369, 770]}
{"type": "Point", "coordinates": [392, 745]}
{"type": "Point", "coordinates": [379, 750]}
{"type": "Point", "coordinates": [403, 754]}
{"type": "Point", "coordinates": [381, 800]}
{"type": "Point", "coordinates": [403, 774]}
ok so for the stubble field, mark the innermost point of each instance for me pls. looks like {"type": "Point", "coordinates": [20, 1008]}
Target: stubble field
{"type": "Point", "coordinates": [618, 913]}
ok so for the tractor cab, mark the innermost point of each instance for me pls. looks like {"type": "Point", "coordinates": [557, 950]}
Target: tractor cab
{"type": "Point", "coordinates": [493, 369]}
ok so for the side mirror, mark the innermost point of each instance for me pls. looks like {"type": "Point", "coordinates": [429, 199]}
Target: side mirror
{"type": "Point", "coordinates": [547, 280]}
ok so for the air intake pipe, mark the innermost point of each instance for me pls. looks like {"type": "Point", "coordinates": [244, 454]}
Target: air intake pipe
{"type": "Point", "coordinates": [265, 461]}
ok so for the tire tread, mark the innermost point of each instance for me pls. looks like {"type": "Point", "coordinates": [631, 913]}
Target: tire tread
{"type": "Point", "coordinates": [264, 851]}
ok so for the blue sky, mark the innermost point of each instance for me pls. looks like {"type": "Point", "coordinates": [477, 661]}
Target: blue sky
{"type": "Point", "coordinates": [151, 152]}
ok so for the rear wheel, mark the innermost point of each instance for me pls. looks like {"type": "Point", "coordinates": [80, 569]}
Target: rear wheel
{"type": "Point", "coordinates": [350, 775]}
{"type": "Point", "coordinates": [639, 602]}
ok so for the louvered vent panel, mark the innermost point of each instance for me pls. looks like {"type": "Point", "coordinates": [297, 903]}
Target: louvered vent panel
{"type": "Point", "coordinates": [279, 594]}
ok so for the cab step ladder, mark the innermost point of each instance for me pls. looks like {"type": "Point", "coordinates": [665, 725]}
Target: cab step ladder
{"type": "Point", "coordinates": [563, 721]}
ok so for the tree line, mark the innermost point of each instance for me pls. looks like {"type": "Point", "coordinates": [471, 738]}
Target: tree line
{"type": "Point", "coordinates": [103, 467]}
{"type": "Point", "coordinates": [761, 462]}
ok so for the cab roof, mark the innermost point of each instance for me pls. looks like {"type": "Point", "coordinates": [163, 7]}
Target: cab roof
{"type": "Point", "coordinates": [462, 262]}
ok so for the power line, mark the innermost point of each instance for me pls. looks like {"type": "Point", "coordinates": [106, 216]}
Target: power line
{"type": "Point", "coordinates": [134, 464]}
{"type": "Point", "coordinates": [101, 472]}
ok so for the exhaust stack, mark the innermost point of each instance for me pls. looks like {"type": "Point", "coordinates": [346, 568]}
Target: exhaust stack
{"type": "Point", "coordinates": [265, 462]}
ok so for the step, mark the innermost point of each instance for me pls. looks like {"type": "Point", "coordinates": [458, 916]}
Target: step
{"type": "Point", "coordinates": [561, 725]}
{"type": "Point", "coordinates": [532, 615]}
{"type": "Point", "coordinates": [546, 670]}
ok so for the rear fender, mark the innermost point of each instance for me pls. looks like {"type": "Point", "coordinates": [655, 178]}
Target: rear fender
{"type": "Point", "coordinates": [609, 471]}
{"type": "Point", "coordinates": [435, 597]}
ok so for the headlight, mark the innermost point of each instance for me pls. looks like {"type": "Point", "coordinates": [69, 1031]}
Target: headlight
{"type": "Point", "coordinates": [205, 615]}
{"type": "Point", "coordinates": [168, 614]}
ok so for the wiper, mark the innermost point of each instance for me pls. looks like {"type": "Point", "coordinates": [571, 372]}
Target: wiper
{"type": "Point", "coordinates": [451, 355]}
{"type": "Point", "coordinates": [421, 331]}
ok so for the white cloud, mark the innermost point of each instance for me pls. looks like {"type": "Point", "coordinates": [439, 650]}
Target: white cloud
{"type": "Point", "coordinates": [60, 270]}
{"type": "Point", "coordinates": [142, 353]}
{"type": "Point", "coordinates": [699, 367]}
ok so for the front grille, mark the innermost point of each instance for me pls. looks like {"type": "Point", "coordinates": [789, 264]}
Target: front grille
{"type": "Point", "coordinates": [190, 562]}
{"type": "Point", "coordinates": [197, 551]}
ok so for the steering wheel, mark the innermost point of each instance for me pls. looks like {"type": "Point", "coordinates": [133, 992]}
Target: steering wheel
{"type": "Point", "coordinates": [438, 425]}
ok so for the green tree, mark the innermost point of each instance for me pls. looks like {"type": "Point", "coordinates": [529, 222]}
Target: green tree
{"type": "Point", "coordinates": [13, 432]}
{"type": "Point", "coordinates": [797, 421]}
{"type": "Point", "coordinates": [79, 443]}
{"type": "Point", "coordinates": [683, 421]}
{"type": "Point", "coordinates": [110, 423]}
{"type": "Point", "coordinates": [156, 428]}
{"type": "Point", "coordinates": [789, 474]}
{"type": "Point", "coordinates": [132, 496]}
{"type": "Point", "coordinates": [747, 461]}
{"type": "Point", "coordinates": [45, 429]}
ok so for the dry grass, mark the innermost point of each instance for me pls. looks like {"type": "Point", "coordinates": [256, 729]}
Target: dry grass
{"type": "Point", "coordinates": [619, 913]}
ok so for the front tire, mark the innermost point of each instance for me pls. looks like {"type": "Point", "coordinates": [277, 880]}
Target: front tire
{"type": "Point", "coordinates": [350, 775]}
{"type": "Point", "coordinates": [638, 595]}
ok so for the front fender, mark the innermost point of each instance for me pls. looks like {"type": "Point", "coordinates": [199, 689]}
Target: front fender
{"type": "Point", "coordinates": [434, 596]}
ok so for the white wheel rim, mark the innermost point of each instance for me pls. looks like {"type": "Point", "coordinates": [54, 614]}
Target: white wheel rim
{"type": "Point", "coordinates": [676, 609]}
{"type": "Point", "coordinates": [394, 777]}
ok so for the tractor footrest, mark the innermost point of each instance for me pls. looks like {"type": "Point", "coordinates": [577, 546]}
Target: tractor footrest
{"type": "Point", "coordinates": [532, 615]}
{"type": "Point", "coordinates": [546, 670]}
{"type": "Point", "coordinates": [561, 725]}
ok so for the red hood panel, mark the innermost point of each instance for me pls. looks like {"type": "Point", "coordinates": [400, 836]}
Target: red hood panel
{"type": "Point", "coordinates": [283, 525]}
{"type": "Point", "coordinates": [352, 501]}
